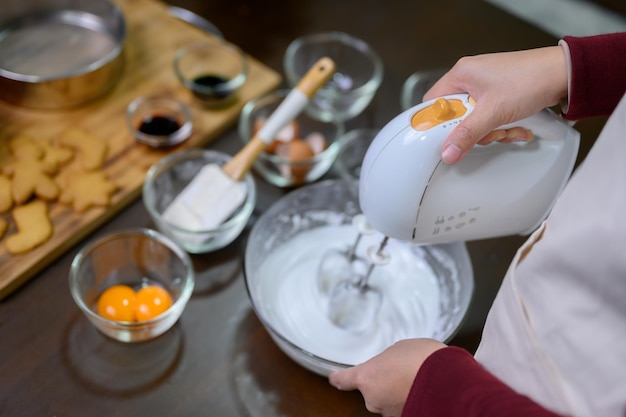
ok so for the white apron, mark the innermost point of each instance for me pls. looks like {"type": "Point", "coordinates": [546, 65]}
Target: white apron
{"type": "Point", "coordinates": [557, 329]}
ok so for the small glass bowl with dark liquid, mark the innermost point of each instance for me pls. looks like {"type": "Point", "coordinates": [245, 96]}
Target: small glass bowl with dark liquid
{"type": "Point", "coordinates": [159, 121]}
{"type": "Point", "coordinates": [212, 70]}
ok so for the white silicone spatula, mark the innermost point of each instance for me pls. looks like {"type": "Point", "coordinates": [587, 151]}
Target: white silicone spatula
{"type": "Point", "coordinates": [216, 192]}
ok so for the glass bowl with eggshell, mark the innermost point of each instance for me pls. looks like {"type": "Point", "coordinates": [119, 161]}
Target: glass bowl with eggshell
{"type": "Point", "coordinates": [426, 289]}
{"type": "Point", "coordinates": [302, 152]}
{"type": "Point", "coordinates": [133, 284]}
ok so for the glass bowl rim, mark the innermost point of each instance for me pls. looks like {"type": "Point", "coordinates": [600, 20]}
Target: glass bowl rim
{"type": "Point", "coordinates": [175, 308]}
{"type": "Point", "coordinates": [359, 44]}
{"type": "Point", "coordinates": [157, 141]}
{"type": "Point", "coordinates": [226, 87]}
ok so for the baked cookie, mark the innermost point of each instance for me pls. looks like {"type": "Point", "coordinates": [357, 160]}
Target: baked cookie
{"type": "Point", "coordinates": [6, 198]}
{"type": "Point", "coordinates": [33, 225]}
{"type": "Point", "coordinates": [4, 225]}
{"type": "Point", "coordinates": [87, 189]}
{"type": "Point", "coordinates": [91, 150]}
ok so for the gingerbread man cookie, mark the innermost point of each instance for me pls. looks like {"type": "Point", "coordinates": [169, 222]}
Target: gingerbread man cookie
{"type": "Point", "coordinates": [29, 173]}
{"type": "Point", "coordinates": [55, 155]}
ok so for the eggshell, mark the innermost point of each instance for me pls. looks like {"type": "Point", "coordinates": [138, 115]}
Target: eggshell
{"type": "Point", "coordinates": [316, 141]}
{"type": "Point", "coordinates": [271, 148]}
{"type": "Point", "coordinates": [296, 150]}
{"type": "Point", "coordinates": [287, 133]}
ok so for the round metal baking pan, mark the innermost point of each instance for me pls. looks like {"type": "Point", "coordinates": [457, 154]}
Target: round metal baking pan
{"type": "Point", "coordinates": [59, 53]}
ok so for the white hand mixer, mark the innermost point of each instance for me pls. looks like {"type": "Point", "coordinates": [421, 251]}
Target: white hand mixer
{"type": "Point", "coordinates": [406, 192]}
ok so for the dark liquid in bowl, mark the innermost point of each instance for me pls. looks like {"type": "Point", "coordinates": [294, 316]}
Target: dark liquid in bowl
{"type": "Point", "coordinates": [212, 81]}
{"type": "Point", "coordinates": [157, 125]}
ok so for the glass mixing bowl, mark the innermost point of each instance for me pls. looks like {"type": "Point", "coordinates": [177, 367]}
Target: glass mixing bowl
{"type": "Point", "coordinates": [213, 71]}
{"type": "Point", "coordinates": [294, 168]}
{"type": "Point", "coordinates": [358, 75]}
{"type": "Point", "coordinates": [169, 176]}
{"type": "Point", "coordinates": [311, 209]}
{"type": "Point", "coordinates": [136, 258]}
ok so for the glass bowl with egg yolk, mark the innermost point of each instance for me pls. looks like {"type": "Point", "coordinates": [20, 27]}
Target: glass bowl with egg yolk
{"type": "Point", "coordinates": [133, 285]}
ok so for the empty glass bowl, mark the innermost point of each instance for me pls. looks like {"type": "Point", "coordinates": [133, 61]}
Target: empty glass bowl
{"type": "Point", "coordinates": [136, 258]}
{"type": "Point", "coordinates": [303, 159]}
{"type": "Point", "coordinates": [358, 75]}
{"type": "Point", "coordinates": [213, 71]}
{"type": "Point", "coordinates": [168, 177]}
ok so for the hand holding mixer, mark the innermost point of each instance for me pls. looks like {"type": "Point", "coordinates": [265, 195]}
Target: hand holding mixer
{"type": "Point", "coordinates": [406, 192]}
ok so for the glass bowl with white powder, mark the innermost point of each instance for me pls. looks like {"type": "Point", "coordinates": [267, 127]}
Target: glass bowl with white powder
{"type": "Point", "coordinates": [426, 290]}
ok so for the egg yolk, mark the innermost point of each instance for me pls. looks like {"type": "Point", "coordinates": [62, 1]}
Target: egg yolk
{"type": "Point", "coordinates": [122, 303]}
{"type": "Point", "coordinates": [152, 301]}
{"type": "Point", "coordinates": [117, 303]}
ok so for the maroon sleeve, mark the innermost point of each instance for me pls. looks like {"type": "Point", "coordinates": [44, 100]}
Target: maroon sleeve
{"type": "Point", "coordinates": [598, 74]}
{"type": "Point", "coordinates": [451, 383]}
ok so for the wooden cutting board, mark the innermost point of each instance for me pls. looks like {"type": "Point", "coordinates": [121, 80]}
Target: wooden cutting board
{"type": "Point", "coordinates": [153, 36]}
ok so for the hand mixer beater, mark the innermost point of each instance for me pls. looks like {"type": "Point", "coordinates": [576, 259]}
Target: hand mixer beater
{"type": "Point", "coordinates": [344, 276]}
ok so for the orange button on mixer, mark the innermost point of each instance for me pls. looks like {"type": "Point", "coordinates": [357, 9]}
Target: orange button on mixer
{"type": "Point", "coordinates": [440, 111]}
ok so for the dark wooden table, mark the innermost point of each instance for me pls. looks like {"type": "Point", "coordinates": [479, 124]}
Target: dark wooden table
{"type": "Point", "coordinates": [218, 360]}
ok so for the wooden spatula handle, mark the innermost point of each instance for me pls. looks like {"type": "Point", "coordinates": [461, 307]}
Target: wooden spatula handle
{"type": "Point", "coordinates": [241, 163]}
{"type": "Point", "coordinates": [308, 85]}
{"type": "Point", "coordinates": [316, 76]}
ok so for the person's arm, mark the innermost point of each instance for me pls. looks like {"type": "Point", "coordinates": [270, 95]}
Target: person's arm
{"type": "Point", "coordinates": [451, 383]}
{"type": "Point", "coordinates": [426, 378]}
{"type": "Point", "coordinates": [597, 74]}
